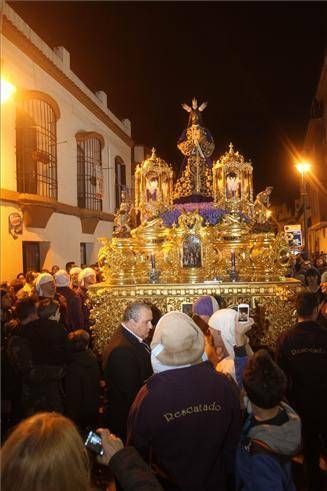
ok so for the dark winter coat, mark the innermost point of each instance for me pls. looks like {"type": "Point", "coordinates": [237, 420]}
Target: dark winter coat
{"type": "Point", "coordinates": [86, 308]}
{"type": "Point", "coordinates": [126, 365]}
{"type": "Point", "coordinates": [302, 354]}
{"type": "Point", "coordinates": [186, 422]}
{"type": "Point", "coordinates": [132, 472]}
{"type": "Point", "coordinates": [40, 386]}
{"type": "Point", "coordinates": [74, 315]}
{"type": "Point", "coordinates": [48, 342]}
{"type": "Point", "coordinates": [82, 388]}
{"type": "Point", "coordinates": [45, 342]}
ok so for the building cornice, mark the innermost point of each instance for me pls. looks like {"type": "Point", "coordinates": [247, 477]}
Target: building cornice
{"type": "Point", "coordinates": [37, 210]}
{"type": "Point", "coordinates": [21, 41]}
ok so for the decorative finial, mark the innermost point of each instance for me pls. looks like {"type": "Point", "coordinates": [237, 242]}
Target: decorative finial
{"type": "Point", "coordinates": [231, 148]}
{"type": "Point", "coordinates": [203, 106]}
{"type": "Point", "coordinates": [194, 107]}
{"type": "Point", "coordinates": [186, 107]}
{"type": "Point", "coordinates": [153, 155]}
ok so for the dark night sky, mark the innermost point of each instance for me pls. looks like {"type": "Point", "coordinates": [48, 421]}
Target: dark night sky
{"type": "Point", "coordinates": [257, 64]}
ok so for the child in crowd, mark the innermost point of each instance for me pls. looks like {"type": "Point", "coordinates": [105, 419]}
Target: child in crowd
{"type": "Point", "coordinates": [272, 432]}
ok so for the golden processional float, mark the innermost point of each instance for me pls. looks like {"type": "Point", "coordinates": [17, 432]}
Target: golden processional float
{"type": "Point", "coordinates": [205, 235]}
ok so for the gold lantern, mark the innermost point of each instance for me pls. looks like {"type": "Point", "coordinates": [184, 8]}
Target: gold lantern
{"type": "Point", "coordinates": [153, 187]}
{"type": "Point", "coordinates": [233, 182]}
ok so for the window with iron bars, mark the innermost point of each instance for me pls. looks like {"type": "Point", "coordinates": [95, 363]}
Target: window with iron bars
{"type": "Point", "coordinates": [89, 172]}
{"type": "Point", "coordinates": [36, 147]}
{"type": "Point", "coordinates": [120, 179]}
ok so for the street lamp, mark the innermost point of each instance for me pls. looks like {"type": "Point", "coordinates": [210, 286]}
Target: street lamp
{"type": "Point", "coordinates": [303, 168]}
{"type": "Point", "coordinates": [7, 90]}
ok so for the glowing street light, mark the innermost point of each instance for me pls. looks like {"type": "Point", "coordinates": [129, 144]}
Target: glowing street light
{"type": "Point", "coordinates": [303, 168]}
{"type": "Point", "coordinates": [7, 90]}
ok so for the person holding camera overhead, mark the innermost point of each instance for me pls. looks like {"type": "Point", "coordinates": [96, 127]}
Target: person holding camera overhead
{"type": "Point", "coordinates": [226, 327]}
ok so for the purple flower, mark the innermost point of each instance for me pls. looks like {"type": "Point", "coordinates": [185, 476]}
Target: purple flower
{"type": "Point", "coordinates": [170, 217]}
{"type": "Point", "coordinates": [210, 214]}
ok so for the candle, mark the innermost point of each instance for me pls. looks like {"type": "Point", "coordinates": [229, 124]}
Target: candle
{"type": "Point", "coordinates": [153, 261]}
{"type": "Point", "coordinates": [232, 257]}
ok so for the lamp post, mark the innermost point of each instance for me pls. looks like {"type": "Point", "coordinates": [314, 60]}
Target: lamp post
{"type": "Point", "coordinates": [303, 168]}
{"type": "Point", "coordinates": [6, 91]}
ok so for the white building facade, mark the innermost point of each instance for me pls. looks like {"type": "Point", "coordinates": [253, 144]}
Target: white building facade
{"type": "Point", "coordinates": [315, 148]}
{"type": "Point", "coordinates": [64, 157]}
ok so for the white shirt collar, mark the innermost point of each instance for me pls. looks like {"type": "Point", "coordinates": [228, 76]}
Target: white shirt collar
{"type": "Point", "coordinates": [137, 337]}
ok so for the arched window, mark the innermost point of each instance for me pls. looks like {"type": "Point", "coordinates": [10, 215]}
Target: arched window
{"type": "Point", "coordinates": [120, 179]}
{"type": "Point", "coordinates": [36, 144]}
{"type": "Point", "coordinates": [89, 170]}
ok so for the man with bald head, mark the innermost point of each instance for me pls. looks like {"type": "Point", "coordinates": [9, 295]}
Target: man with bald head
{"type": "Point", "coordinates": [127, 364]}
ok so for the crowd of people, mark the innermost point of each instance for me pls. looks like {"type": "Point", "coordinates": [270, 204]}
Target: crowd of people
{"type": "Point", "coordinates": [47, 363]}
{"type": "Point", "coordinates": [180, 402]}
{"type": "Point", "coordinates": [312, 272]}
{"type": "Point", "coordinates": [316, 265]}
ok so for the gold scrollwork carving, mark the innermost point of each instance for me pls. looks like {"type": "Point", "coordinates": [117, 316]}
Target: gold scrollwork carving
{"type": "Point", "coordinates": [271, 304]}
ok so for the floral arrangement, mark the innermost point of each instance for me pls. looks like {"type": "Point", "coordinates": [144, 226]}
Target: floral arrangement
{"type": "Point", "coordinates": [210, 214]}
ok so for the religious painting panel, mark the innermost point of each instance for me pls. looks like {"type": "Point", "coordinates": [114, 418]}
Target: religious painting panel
{"type": "Point", "coordinates": [191, 252]}
{"type": "Point", "coordinates": [233, 186]}
{"type": "Point", "coordinates": [152, 187]}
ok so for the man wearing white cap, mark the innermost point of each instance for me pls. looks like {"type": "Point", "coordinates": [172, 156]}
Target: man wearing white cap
{"type": "Point", "coordinates": [74, 318]}
{"type": "Point", "coordinates": [45, 287]}
{"type": "Point", "coordinates": [86, 277]}
{"type": "Point", "coordinates": [186, 419]}
{"type": "Point", "coordinates": [73, 273]}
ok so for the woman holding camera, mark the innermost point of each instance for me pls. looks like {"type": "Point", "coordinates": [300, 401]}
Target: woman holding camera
{"type": "Point", "coordinates": [46, 453]}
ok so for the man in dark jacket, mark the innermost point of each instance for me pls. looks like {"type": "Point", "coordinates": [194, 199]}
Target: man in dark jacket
{"type": "Point", "coordinates": [302, 354]}
{"type": "Point", "coordinates": [126, 363]}
{"type": "Point", "coordinates": [82, 382]}
{"type": "Point", "coordinates": [16, 360]}
{"type": "Point", "coordinates": [48, 344]}
{"type": "Point", "coordinates": [86, 278]}
{"type": "Point", "coordinates": [74, 315]}
{"type": "Point", "coordinates": [45, 287]}
{"type": "Point", "coordinates": [37, 351]}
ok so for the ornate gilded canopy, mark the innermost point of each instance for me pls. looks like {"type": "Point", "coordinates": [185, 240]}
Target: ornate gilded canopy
{"type": "Point", "coordinates": [221, 234]}
{"type": "Point", "coordinates": [214, 239]}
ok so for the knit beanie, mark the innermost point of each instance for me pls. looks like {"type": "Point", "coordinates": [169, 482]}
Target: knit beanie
{"type": "Point", "coordinates": [41, 279]}
{"type": "Point", "coordinates": [84, 274]}
{"type": "Point", "coordinates": [62, 278]}
{"type": "Point", "coordinates": [205, 305]}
